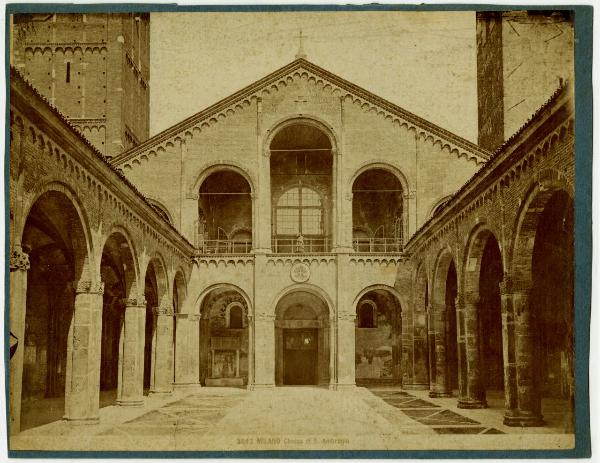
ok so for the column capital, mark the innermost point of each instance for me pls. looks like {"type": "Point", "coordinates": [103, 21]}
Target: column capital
{"type": "Point", "coordinates": [264, 317]}
{"type": "Point", "coordinates": [510, 286]}
{"type": "Point", "coordinates": [133, 302]}
{"type": "Point", "coordinates": [163, 311]}
{"type": "Point", "coordinates": [267, 152]}
{"type": "Point", "coordinates": [88, 287]}
{"type": "Point", "coordinates": [346, 316]}
{"type": "Point", "coordinates": [19, 260]}
{"type": "Point", "coordinates": [193, 317]}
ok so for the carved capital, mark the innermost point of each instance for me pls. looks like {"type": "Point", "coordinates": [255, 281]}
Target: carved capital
{"type": "Point", "coordinates": [349, 196]}
{"type": "Point", "coordinates": [88, 287]}
{"type": "Point", "coordinates": [510, 286]}
{"type": "Point", "coordinates": [267, 152]}
{"type": "Point", "coordinates": [264, 317]}
{"type": "Point", "coordinates": [163, 311]}
{"type": "Point", "coordinates": [411, 194]}
{"type": "Point", "coordinates": [133, 302]}
{"type": "Point", "coordinates": [19, 260]}
{"type": "Point", "coordinates": [346, 316]}
{"type": "Point", "coordinates": [193, 317]}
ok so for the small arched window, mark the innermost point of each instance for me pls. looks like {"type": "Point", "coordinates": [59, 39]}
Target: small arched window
{"type": "Point", "coordinates": [367, 315]}
{"type": "Point", "coordinates": [236, 315]}
{"type": "Point", "coordinates": [299, 211]}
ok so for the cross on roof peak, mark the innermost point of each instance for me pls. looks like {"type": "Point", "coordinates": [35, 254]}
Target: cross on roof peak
{"type": "Point", "coordinates": [301, 53]}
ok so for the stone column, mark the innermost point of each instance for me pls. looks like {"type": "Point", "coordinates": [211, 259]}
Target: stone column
{"type": "Point", "coordinates": [346, 340]}
{"type": "Point", "coordinates": [83, 354]}
{"type": "Point", "coordinates": [473, 393]}
{"type": "Point", "coordinates": [264, 351]}
{"type": "Point", "coordinates": [440, 386]}
{"type": "Point", "coordinates": [420, 355]}
{"type": "Point", "coordinates": [262, 221]}
{"type": "Point", "coordinates": [508, 351]}
{"type": "Point", "coordinates": [332, 333]}
{"type": "Point", "coordinates": [250, 321]}
{"type": "Point", "coordinates": [431, 335]}
{"type": "Point", "coordinates": [406, 362]}
{"type": "Point", "coordinates": [19, 265]}
{"type": "Point", "coordinates": [528, 395]}
{"type": "Point", "coordinates": [162, 351]}
{"type": "Point", "coordinates": [131, 380]}
{"type": "Point", "coordinates": [187, 363]}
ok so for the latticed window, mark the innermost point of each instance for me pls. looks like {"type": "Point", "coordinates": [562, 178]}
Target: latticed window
{"type": "Point", "coordinates": [299, 211]}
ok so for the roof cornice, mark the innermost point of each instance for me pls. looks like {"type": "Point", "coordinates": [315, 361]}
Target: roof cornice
{"type": "Point", "coordinates": [211, 115]}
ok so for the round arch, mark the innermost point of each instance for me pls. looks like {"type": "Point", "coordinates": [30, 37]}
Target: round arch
{"type": "Point", "coordinates": [157, 263]}
{"type": "Point", "coordinates": [471, 264]}
{"type": "Point", "coordinates": [306, 287]}
{"type": "Point", "coordinates": [440, 272]}
{"type": "Point", "coordinates": [219, 166]}
{"type": "Point", "coordinates": [229, 286]}
{"type": "Point", "coordinates": [119, 230]}
{"type": "Point", "coordinates": [526, 222]}
{"type": "Point", "coordinates": [71, 195]}
{"type": "Point", "coordinates": [383, 165]}
{"type": "Point", "coordinates": [388, 288]}
{"type": "Point", "coordinates": [312, 121]}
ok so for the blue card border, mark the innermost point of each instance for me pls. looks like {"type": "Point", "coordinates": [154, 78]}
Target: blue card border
{"type": "Point", "coordinates": [583, 22]}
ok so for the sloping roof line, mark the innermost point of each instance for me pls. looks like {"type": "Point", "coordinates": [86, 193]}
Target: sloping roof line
{"type": "Point", "coordinates": [319, 71]}
{"type": "Point", "coordinates": [15, 74]}
{"type": "Point", "coordinates": [512, 140]}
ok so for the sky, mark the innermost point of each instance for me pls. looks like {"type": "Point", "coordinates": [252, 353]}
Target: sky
{"type": "Point", "coordinates": [424, 62]}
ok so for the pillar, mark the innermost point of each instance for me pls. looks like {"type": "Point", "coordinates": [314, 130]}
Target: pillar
{"type": "Point", "coordinates": [264, 351]}
{"type": "Point", "coordinates": [131, 380]}
{"type": "Point", "coordinates": [162, 351]}
{"type": "Point", "coordinates": [406, 362]}
{"type": "Point", "coordinates": [472, 393]}
{"type": "Point", "coordinates": [346, 338]}
{"type": "Point", "coordinates": [419, 351]}
{"type": "Point", "coordinates": [528, 398]}
{"type": "Point", "coordinates": [19, 265]}
{"type": "Point", "coordinates": [332, 334]}
{"type": "Point", "coordinates": [262, 211]}
{"type": "Point", "coordinates": [187, 361]}
{"type": "Point", "coordinates": [82, 394]}
{"type": "Point", "coordinates": [440, 387]}
{"type": "Point", "coordinates": [250, 321]}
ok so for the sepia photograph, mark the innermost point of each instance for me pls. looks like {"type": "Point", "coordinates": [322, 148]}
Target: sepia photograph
{"type": "Point", "coordinates": [279, 230]}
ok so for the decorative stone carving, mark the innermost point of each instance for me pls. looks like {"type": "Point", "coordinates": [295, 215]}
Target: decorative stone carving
{"type": "Point", "coordinates": [300, 272]}
{"type": "Point", "coordinates": [163, 310]}
{"type": "Point", "coordinates": [19, 260]}
{"type": "Point", "coordinates": [346, 316]}
{"type": "Point", "coordinates": [133, 302]}
{"type": "Point", "coordinates": [89, 287]}
{"type": "Point", "coordinates": [264, 317]}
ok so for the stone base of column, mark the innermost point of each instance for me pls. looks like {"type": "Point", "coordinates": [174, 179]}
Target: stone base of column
{"type": "Point", "coordinates": [471, 403]}
{"type": "Point", "coordinates": [257, 387]}
{"type": "Point", "coordinates": [415, 387]}
{"type": "Point", "coordinates": [342, 387]}
{"type": "Point", "coordinates": [439, 395]}
{"type": "Point", "coordinates": [83, 421]}
{"type": "Point", "coordinates": [523, 420]}
{"type": "Point", "coordinates": [160, 392]}
{"type": "Point", "coordinates": [130, 402]}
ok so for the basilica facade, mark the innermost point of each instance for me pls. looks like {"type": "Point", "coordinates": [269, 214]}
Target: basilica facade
{"type": "Point", "coordinates": [302, 231]}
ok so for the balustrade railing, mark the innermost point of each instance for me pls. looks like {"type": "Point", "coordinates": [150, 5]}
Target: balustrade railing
{"type": "Point", "coordinates": [303, 246]}
{"type": "Point", "coordinates": [225, 247]}
{"type": "Point", "coordinates": [383, 245]}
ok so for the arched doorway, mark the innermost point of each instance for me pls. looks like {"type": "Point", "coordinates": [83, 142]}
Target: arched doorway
{"type": "Point", "coordinates": [224, 338]}
{"type": "Point", "coordinates": [444, 327]}
{"type": "Point", "coordinates": [117, 270]}
{"type": "Point", "coordinates": [55, 240]}
{"type": "Point", "coordinates": [301, 189]}
{"type": "Point", "coordinates": [224, 213]}
{"type": "Point", "coordinates": [545, 339]}
{"type": "Point", "coordinates": [301, 340]}
{"type": "Point", "coordinates": [377, 212]}
{"type": "Point", "coordinates": [483, 344]}
{"type": "Point", "coordinates": [378, 338]}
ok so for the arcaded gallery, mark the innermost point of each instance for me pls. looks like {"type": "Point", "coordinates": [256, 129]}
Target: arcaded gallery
{"type": "Point", "coordinates": [302, 231]}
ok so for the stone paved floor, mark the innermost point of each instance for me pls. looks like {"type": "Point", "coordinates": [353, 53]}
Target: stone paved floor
{"type": "Point", "coordinates": [299, 418]}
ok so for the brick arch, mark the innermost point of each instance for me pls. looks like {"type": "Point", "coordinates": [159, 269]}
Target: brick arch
{"type": "Point", "coordinates": [388, 288]}
{"type": "Point", "coordinates": [440, 272]}
{"type": "Point", "coordinates": [471, 265]}
{"type": "Point", "coordinates": [179, 285]}
{"type": "Point", "coordinates": [219, 166]}
{"type": "Point", "coordinates": [549, 182]}
{"type": "Point", "coordinates": [157, 264]}
{"type": "Point", "coordinates": [310, 120]}
{"type": "Point", "coordinates": [383, 165]}
{"type": "Point", "coordinates": [229, 286]}
{"type": "Point", "coordinates": [132, 272]}
{"type": "Point", "coordinates": [84, 255]}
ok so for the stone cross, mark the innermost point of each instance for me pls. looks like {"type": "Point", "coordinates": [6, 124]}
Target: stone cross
{"type": "Point", "coordinates": [301, 53]}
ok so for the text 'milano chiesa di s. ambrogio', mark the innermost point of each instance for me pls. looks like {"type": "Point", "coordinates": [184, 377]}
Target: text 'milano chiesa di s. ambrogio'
{"type": "Point", "coordinates": [302, 231]}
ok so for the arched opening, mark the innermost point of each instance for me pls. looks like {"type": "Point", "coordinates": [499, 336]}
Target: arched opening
{"type": "Point", "coordinates": [444, 327]}
{"type": "Point", "coordinates": [547, 236]}
{"type": "Point", "coordinates": [301, 189]}
{"type": "Point", "coordinates": [301, 340]}
{"type": "Point", "coordinates": [378, 338]}
{"type": "Point", "coordinates": [224, 207]}
{"type": "Point", "coordinates": [54, 238]}
{"type": "Point", "coordinates": [421, 339]}
{"type": "Point", "coordinates": [223, 347]}
{"type": "Point", "coordinates": [377, 212]}
{"type": "Point", "coordinates": [179, 292]}
{"type": "Point", "coordinates": [116, 270]}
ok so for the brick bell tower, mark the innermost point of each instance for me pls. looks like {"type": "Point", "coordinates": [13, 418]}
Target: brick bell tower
{"type": "Point", "coordinates": [95, 68]}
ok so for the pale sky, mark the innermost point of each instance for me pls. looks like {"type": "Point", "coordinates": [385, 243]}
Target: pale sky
{"type": "Point", "coordinates": [424, 62]}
